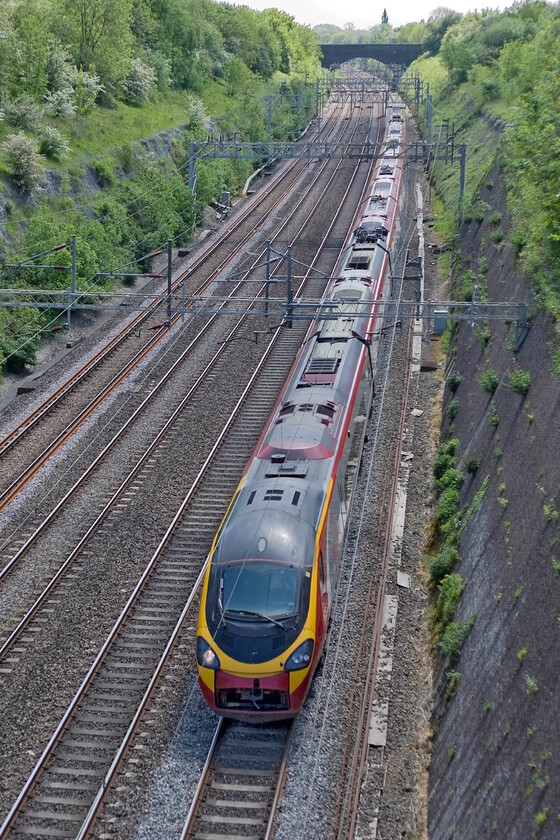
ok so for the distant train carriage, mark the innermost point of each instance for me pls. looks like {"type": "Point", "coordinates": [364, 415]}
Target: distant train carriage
{"type": "Point", "coordinates": [273, 564]}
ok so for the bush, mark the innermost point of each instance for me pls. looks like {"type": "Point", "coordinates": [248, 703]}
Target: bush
{"type": "Point", "coordinates": [52, 143]}
{"type": "Point", "coordinates": [449, 592]}
{"type": "Point", "coordinates": [444, 457]}
{"type": "Point", "coordinates": [140, 80]}
{"type": "Point", "coordinates": [447, 505]}
{"type": "Point", "coordinates": [86, 88]}
{"type": "Point", "coordinates": [104, 171]}
{"type": "Point", "coordinates": [483, 336]}
{"type": "Point", "coordinates": [442, 564]}
{"type": "Point", "coordinates": [489, 380]}
{"type": "Point", "coordinates": [451, 478]}
{"type": "Point", "coordinates": [454, 380]}
{"type": "Point", "coordinates": [24, 161]}
{"type": "Point", "coordinates": [61, 103]}
{"type": "Point", "coordinates": [519, 381]}
{"type": "Point", "coordinates": [442, 462]}
{"type": "Point", "coordinates": [452, 408]}
{"type": "Point", "coordinates": [472, 465]}
{"type": "Point", "coordinates": [453, 637]}
{"type": "Point", "coordinates": [24, 113]}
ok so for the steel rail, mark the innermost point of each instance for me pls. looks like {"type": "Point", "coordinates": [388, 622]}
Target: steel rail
{"type": "Point", "coordinates": [360, 755]}
{"type": "Point", "coordinates": [55, 738]}
{"type": "Point", "coordinates": [16, 434]}
{"type": "Point", "coordinates": [58, 733]}
{"type": "Point", "coordinates": [57, 509]}
{"type": "Point", "coordinates": [23, 623]}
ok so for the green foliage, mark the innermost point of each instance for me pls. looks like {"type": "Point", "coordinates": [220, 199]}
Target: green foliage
{"type": "Point", "coordinates": [444, 457]}
{"type": "Point", "coordinates": [24, 161]}
{"type": "Point", "coordinates": [494, 418]}
{"type": "Point", "coordinates": [497, 236]}
{"type": "Point", "coordinates": [454, 636]}
{"type": "Point", "coordinates": [507, 65]}
{"type": "Point", "coordinates": [443, 563]}
{"type": "Point", "coordinates": [483, 335]}
{"type": "Point", "coordinates": [472, 465]}
{"type": "Point", "coordinates": [550, 511]}
{"type": "Point", "coordinates": [489, 380]}
{"type": "Point", "coordinates": [531, 685]}
{"type": "Point", "coordinates": [452, 408]}
{"type": "Point", "coordinates": [98, 34]}
{"type": "Point", "coordinates": [86, 88]}
{"type": "Point", "coordinates": [52, 143]}
{"type": "Point", "coordinates": [22, 113]}
{"type": "Point", "coordinates": [104, 171]}
{"type": "Point", "coordinates": [479, 211]}
{"type": "Point", "coordinates": [454, 380]}
{"type": "Point", "coordinates": [451, 478]}
{"type": "Point", "coordinates": [540, 818]}
{"type": "Point", "coordinates": [449, 592]}
{"type": "Point", "coordinates": [447, 505]}
{"type": "Point", "coordinates": [139, 81]}
{"type": "Point", "coordinates": [519, 381]}
{"type": "Point", "coordinates": [19, 338]}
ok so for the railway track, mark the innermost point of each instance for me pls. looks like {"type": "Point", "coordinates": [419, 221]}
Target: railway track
{"type": "Point", "coordinates": [241, 782]}
{"type": "Point", "coordinates": [38, 811]}
{"type": "Point", "coordinates": [365, 685]}
{"type": "Point", "coordinates": [116, 361]}
{"type": "Point", "coordinates": [81, 750]}
{"type": "Point", "coordinates": [157, 381]}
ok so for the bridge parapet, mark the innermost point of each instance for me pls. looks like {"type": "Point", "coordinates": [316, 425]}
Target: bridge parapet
{"type": "Point", "coordinates": [403, 54]}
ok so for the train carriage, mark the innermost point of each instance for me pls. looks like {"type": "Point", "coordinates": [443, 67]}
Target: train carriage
{"type": "Point", "coordinates": [274, 562]}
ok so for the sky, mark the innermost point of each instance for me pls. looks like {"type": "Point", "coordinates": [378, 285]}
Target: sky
{"type": "Point", "coordinates": [365, 14]}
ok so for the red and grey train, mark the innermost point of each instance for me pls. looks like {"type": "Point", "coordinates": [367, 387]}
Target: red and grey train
{"type": "Point", "coordinates": [273, 564]}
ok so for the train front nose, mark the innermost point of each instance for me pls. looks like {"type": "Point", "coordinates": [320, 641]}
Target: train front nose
{"type": "Point", "coordinates": [251, 694]}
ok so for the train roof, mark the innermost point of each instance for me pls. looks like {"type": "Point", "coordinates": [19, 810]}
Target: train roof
{"type": "Point", "coordinates": [272, 521]}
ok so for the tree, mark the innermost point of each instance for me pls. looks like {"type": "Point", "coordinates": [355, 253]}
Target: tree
{"type": "Point", "coordinates": [24, 161]}
{"type": "Point", "coordinates": [439, 22]}
{"type": "Point", "coordinates": [98, 33]}
{"type": "Point", "coordinates": [236, 74]}
{"type": "Point", "coordinates": [27, 50]}
{"type": "Point", "coordinates": [177, 39]}
{"type": "Point", "coordinates": [384, 17]}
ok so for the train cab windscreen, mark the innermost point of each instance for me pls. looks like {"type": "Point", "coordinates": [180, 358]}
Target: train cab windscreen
{"type": "Point", "coordinates": [259, 589]}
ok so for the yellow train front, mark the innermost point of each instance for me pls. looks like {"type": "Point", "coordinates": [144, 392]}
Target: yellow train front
{"type": "Point", "coordinates": [261, 626]}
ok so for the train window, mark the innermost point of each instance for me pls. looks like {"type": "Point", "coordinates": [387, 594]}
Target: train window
{"type": "Point", "coordinates": [261, 590]}
{"type": "Point", "coordinates": [287, 409]}
{"type": "Point", "coordinates": [325, 409]}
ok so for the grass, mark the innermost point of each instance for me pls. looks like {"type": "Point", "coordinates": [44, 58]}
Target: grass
{"type": "Point", "coordinates": [531, 684]}
{"type": "Point", "coordinates": [101, 130]}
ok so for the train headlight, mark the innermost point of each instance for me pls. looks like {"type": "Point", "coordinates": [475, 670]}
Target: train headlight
{"type": "Point", "coordinates": [205, 656]}
{"type": "Point", "coordinates": [301, 657]}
